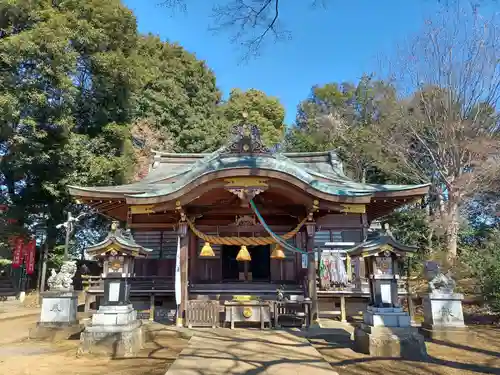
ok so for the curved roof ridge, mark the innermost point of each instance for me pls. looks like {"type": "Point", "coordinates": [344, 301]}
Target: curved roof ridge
{"type": "Point", "coordinates": [201, 155]}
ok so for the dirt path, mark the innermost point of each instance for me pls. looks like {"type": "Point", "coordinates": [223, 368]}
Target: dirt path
{"type": "Point", "coordinates": [480, 356]}
{"type": "Point", "coordinates": [20, 356]}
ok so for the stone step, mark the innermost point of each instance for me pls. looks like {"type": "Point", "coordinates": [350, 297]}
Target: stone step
{"type": "Point", "coordinates": [7, 292]}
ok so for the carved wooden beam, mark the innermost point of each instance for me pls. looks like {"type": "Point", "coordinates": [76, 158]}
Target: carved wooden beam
{"type": "Point", "coordinates": [246, 188]}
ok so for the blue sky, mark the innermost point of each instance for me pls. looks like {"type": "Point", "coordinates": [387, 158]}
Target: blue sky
{"type": "Point", "coordinates": [333, 45]}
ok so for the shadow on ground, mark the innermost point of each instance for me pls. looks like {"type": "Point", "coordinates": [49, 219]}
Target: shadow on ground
{"type": "Point", "coordinates": [482, 356]}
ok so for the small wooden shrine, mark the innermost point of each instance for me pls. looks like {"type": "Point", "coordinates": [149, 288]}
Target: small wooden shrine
{"type": "Point", "coordinates": [381, 262]}
{"type": "Point", "coordinates": [118, 251]}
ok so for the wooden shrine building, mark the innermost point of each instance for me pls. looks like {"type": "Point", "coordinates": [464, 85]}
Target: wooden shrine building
{"type": "Point", "coordinates": [246, 216]}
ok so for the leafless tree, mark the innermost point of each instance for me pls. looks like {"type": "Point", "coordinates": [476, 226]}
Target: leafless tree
{"type": "Point", "coordinates": [249, 22]}
{"type": "Point", "coordinates": [252, 22]}
{"type": "Point", "coordinates": [146, 137]}
{"type": "Point", "coordinates": [446, 130]}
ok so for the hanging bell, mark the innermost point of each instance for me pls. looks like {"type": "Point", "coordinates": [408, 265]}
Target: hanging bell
{"type": "Point", "coordinates": [207, 251]}
{"type": "Point", "coordinates": [278, 253]}
{"type": "Point", "coordinates": [243, 255]}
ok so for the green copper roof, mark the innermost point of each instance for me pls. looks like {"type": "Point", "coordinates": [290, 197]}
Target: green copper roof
{"type": "Point", "coordinates": [120, 237]}
{"type": "Point", "coordinates": [321, 171]}
{"type": "Point", "coordinates": [333, 185]}
{"type": "Point", "coordinates": [376, 240]}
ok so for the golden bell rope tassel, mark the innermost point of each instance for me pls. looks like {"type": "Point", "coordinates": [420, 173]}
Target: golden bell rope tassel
{"type": "Point", "coordinates": [243, 255]}
{"type": "Point", "coordinates": [207, 251]}
{"type": "Point", "coordinates": [278, 253]}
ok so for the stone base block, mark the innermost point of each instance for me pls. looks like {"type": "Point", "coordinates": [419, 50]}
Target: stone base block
{"type": "Point", "coordinates": [55, 331]}
{"type": "Point", "coordinates": [59, 306]}
{"type": "Point", "coordinates": [386, 317]}
{"type": "Point", "coordinates": [112, 341]}
{"type": "Point", "coordinates": [452, 334]}
{"type": "Point", "coordinates": [114, 315]}
{"type": "Point", "coordinates": [443, 309]}
{"type": "Point", "coordinates": [390, 342]}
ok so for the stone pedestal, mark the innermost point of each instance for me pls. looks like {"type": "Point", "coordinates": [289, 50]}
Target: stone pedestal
{"type": "Point", "coordinates": [387, 332]}
{"type": "Point", "coordinates": [386, 317]}
{"type": "Point", "coordinates": [443, 316]}
{"type": "Point", "coordinates": [58, 318]}
{"type": "Point", "coordinates": [398, 342]}
{"type": "Point", "coordinates": [114, 332]}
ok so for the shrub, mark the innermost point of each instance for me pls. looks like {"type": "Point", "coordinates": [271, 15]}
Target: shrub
{"type": "Point", "coordinates": [483, 258]}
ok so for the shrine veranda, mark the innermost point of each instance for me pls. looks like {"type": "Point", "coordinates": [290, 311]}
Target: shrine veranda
{"type": "Point", "coordinates": [244, 196]}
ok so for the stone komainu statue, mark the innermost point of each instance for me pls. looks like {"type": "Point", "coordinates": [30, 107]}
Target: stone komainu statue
{"type": "Point", "coordinates": [64, 279]}
{"type": "Point", "coordinates": [439, 282]}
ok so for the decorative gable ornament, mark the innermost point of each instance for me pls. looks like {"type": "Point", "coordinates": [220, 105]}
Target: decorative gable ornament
{"type": "Point", "coordinates": [245, 140]}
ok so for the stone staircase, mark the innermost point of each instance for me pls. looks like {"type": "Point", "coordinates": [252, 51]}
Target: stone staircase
{"type": "Point", "coordinates": [7, 290]}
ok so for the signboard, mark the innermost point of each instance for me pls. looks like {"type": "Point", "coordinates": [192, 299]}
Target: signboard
{"type": "Point", "coordinates": [304, 261]}
{"type": "Point", "coordinates": [30, 254]}
{"type": "Point", "coordinates": [17, 256]}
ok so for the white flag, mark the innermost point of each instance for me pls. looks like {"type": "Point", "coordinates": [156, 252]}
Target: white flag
{"type": "Point", "coordinates": [178, 292]}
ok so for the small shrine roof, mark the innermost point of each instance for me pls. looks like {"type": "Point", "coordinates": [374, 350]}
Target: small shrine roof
{"type": "Point", "coordinates": [119, 240]}
{"type": "Point", "coordinates": [377, 241]}
{"type": "Point", "coordinates": [322, 172]}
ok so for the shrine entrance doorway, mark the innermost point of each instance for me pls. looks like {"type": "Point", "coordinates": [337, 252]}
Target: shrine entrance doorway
{"type": "Point", "coordinates": [258, 269]}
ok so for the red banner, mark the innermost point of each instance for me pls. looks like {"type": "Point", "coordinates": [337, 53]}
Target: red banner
{"type": "Point", "coordinates": [29, 254]}
{"type": "Point", "coordinates": [17, 256]}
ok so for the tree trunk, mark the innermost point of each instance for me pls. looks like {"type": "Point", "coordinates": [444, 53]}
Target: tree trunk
{"type": "Point", "coordinates": [452, 227]}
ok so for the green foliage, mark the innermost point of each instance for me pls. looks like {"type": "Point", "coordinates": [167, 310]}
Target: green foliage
{"type": "Point", "coordinates": [75, 78]}
{"type": "Point", "coordinates": [264, 111]}
{"type": "Point", "coordinates": [411, 226]}
{"type": "Point", "coordinates": [67, 78]}
{"type": "Point", "coordinates": [481, 252]}
{"type": "Point", "coordinates": [5, 262]}
{"type": "Point", "coordinates": [178, 95]}
{"type": "Point", "coordinates": [340, 117]}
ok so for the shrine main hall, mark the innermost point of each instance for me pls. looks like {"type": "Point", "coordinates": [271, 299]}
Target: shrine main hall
{"type": "Point", "coordinates": [248, 220]}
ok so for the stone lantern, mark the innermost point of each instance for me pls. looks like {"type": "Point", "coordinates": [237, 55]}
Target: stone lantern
{"type": "Point", "coordinates": [115, 323]}
{"type": "Point", "coordinates": [383, 274]}
{"type": "Point", "coordinates": [386, 329]}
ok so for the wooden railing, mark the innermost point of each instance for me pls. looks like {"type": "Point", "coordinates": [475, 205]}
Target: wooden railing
{"type": "Point", "coordinates": [138, 284]}
{"type": "Point", "coordinates": [143, 284]}
{"type": "Point", "coordinates": [202, 313]}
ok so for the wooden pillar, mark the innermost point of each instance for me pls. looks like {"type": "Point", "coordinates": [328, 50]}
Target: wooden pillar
{"type": "Point", "coordinates": [184, 258]}
{"type": "Point", "coordinates": [152, 307]}
{"type": "Point", "coordinates": [343, 314]}
{"type": "Point", "coordinates": [194, 264]}
{"type": "Point", "coordinates": [87, 302]}
{"type": "Point", "coordinates": [311, 270]}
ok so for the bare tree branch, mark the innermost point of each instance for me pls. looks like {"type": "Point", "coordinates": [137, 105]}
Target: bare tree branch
{"type": "Point", "coordinates": [447, 128]}
{"type": "Point", "coordinates": [250, 22]}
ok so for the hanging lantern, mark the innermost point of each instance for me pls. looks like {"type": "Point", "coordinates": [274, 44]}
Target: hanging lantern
{"type": "Point", "coordinates": [207, 251]}
{"type": "Point", "coordinates": [243, 255]}
{"type": "Point", "coordinates": [278, 253]}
